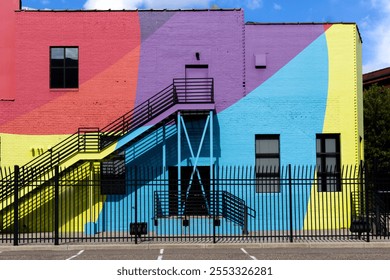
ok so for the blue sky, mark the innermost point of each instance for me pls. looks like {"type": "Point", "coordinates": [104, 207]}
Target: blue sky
{"type": "Point", "coordinates": [372, 16]}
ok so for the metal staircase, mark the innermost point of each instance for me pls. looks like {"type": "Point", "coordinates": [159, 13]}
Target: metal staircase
{"type": "Point", "coordinates": [222, 204]}
{"type": "Point", "coordinates": [98, 143]}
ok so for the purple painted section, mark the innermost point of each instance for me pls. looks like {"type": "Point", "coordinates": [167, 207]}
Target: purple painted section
{"type": "Point", "coordinates": [149, 27]}
{"type": "Point", "coordinates": [216, 35]}
{"type": "Point", "coordinates": [197, 73]}
{"type": "Point", "coordinates": [280, 43]}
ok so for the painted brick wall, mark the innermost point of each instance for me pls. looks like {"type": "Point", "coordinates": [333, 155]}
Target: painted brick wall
{"type": "Point", "coordinates": [168, 47]}
{"type": "Point", "coordinates": [7, 49]}
{"type": "Point", "coordinates": [108, 68]}
{"type": "Point", "coordinates": [287, 97]}
{"type": "Point", "coordinates": [123, 57]}
{"type": "Point", "coordinates": [126, 57]}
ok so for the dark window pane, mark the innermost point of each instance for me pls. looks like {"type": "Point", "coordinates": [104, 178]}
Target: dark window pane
{"type": "Point", "coordinates": [331, 164]}
{"type": "Point", "coordinates": [64, 67]}
{"type": "Point", "coordinates": [330, 145]}
{"type": "Point", "coordinates": [113, 177]}
{"type": "Point", "coordinates": [319, 146]}
{"type": "Point", "coordinates": [57, 78]}
{"type": "Point", "coordinates": [328, 162]}
{"type": "Point", "coordinates": [72, 78]}
{"type": "Point", "coordinates": [268, 184]}
{"type": "Point", "coordinates": [267, 164]}
{"type": "Point", "coordinates": [57, 53]}
{"type": "Point", "coordinates": [72, 57]}
{"type": "Point", "coordinates": [264, 146]}
{"type": "Point", "coordinates": [57, 57]}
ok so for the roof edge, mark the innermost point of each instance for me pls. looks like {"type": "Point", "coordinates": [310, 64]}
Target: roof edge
{"type": "Point", "coordinates": [306, 23]}
{"type": "Point", "coordinates": [296, 23]}
{"type": "Point", "coordinates": [126, 10]}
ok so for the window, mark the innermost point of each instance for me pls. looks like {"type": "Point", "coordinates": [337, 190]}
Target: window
{"type": "Point", "coordinates": [328, 162]}
{"type": "Point", "coordinates": [64, 67]}
{"type": "Point", "coordinates": [113, 177]}
{"type": "Point", "coordinates": [267, 163]}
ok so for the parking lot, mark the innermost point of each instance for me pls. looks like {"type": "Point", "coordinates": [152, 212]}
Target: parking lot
{"type": "Point", "coordinates": [306, 251]}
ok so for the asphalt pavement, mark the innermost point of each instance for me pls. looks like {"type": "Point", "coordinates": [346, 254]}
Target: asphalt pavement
{"type": "Point", "coordinates": [260, 251]}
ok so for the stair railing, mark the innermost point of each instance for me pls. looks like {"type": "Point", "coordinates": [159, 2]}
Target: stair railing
{"type": "Point", "coordinates": [181, 91]}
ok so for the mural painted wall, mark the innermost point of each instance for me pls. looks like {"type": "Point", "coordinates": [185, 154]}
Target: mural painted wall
{"type": "Point", "coordinates": [309, 83]}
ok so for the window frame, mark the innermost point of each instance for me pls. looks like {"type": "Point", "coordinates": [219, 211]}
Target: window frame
{"type": "Point", "coordinates": [270, 174]}
{"type": "Point", "coordinates": [64, 67]}
{"type": "Point", "coordinates": [324, 173]}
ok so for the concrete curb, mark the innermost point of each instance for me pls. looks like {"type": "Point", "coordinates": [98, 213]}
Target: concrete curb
{"type": "Point", "coordinates": [156, 246]}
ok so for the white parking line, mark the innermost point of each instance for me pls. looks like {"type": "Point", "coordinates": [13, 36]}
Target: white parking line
{"type": "Point", "coordinates": [246, 253]}
{"type": "Point", "coordinates": [161, 255]}
{"type": "Point", "coordinates": [78, 254]}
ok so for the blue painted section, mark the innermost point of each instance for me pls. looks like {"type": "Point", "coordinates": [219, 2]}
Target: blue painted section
{"type": "Point", "coordinates": [137, 132]}
{"type": "Point", "coordinates": [291, 103]}
{"type": "Point", "coordinates": [90, 228]}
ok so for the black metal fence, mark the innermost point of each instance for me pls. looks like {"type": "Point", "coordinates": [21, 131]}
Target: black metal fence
{"type": "Point", "coordinates": [225, 204]}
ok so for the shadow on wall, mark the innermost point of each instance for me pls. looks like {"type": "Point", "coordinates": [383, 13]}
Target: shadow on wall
{"type": "Point", "coordinates": [149, 150]}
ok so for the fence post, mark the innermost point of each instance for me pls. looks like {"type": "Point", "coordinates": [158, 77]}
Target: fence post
{"type": "Point", "coordinates": [214, 209]}
{"type": "Point", "coordinates": [56, 204]}
{"type": "Point", "coordinates": [245, 227]}
{"type": "Point", "coordinates": [16, 205]}
{"type": "Point", "coordinates": [364, 189]}
{"type": "Point", "coordinates": [136, 205]}
{"type": "Point", "coordinates": [290, 202]}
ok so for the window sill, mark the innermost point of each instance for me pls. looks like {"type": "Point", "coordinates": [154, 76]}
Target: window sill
{"type": "Point", "coordinates": [64, 90]}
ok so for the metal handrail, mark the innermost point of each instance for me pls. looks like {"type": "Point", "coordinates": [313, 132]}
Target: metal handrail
{"type": "Point", "coordinates": [222, 203]}
{"type": "Point", "coordinates": [181, 91]}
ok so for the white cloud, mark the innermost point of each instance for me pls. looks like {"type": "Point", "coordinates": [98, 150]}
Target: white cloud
{"type": "Point", "coordinates": [277, 7]}
{"type": "Point", "coordinates": [28, 8]}
{"type": "Point", "coordinates": [145, 4]}
{"type": "Point", "coordinates": [113, 4]}
{"type": "Point", "coordinates": [254, 4]}
{"type": "Point", "coordinates": [377, 37]}
{"type": "Point", "coordinates": [176, 4]}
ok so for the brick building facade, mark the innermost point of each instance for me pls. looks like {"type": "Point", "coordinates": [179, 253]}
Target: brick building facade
{"type": "Point", "coordinates": [280, 94]}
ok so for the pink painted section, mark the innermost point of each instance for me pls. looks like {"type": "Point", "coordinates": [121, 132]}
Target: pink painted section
{"type": "Point", "coordinates": [7, 49]}
{"type": "Point", "coordinates": [108, 71]}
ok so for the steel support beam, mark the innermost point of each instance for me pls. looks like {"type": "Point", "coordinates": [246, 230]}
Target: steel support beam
{"type": "Point", "coordinates": [195, 158]}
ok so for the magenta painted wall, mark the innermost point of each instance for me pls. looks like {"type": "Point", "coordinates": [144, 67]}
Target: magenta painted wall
{"type": "Point", "coordinates": [7, 49]}
{"type": "Point", "coordinates": [109, 46]}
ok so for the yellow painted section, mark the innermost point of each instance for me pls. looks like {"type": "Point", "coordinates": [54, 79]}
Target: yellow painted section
{"type": "Point", "coordinates": [343, 115]}
{"type": "Point", "coordinates": [342, 105]}
{"type": "Point", "coordinates": [359, 92]}
{"type": "Point", "coordinates": [20, 149]}
{"type": "Point", "coordinates": [80, 202]}
{"type": "Point", "coordinates": [67, 163]}
{"type": "Point", "coordinates": [78, 210]}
